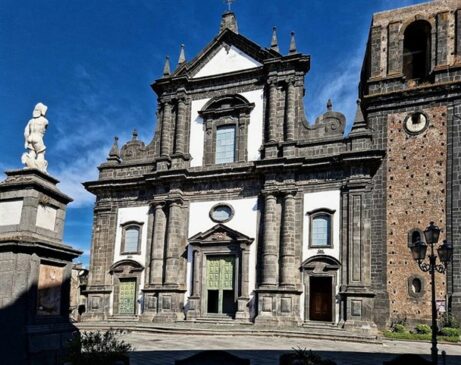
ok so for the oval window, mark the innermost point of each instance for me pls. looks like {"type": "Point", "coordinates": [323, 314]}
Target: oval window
{"type": "Point", "coordinates": [221, 213]}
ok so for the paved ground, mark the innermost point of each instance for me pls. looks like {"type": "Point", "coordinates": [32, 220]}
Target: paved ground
{"type": "Point", "coordinates": [161, 349]}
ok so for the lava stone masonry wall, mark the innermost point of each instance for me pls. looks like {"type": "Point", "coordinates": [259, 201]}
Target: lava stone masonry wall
{"type": "Point", "coordinates": [416, 195]}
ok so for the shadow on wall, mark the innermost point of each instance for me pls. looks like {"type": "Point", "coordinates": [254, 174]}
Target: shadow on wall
{"type": "Point", "coordinates": [35, 326]}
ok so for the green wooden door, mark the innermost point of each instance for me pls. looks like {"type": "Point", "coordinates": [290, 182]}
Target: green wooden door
{"type": "Point", "coordinates": [127, 297]}
{"type": "Point", "coordinates": [220, 284]}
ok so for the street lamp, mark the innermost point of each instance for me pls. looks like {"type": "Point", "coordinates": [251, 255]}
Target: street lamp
{"type": "Point", "coordinates": [445, 251]}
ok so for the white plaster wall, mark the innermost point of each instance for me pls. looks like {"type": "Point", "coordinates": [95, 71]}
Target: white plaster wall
{"type": "Point", "coordinates": [323, 199]}
{"type": "Point", "coordinates": [46, 217]}
{"type": "Point", "coordinates": [224, 62]}
{"type": "Point", "coordinates": [244, 221]}
{"type": "Point", "coordinates": [10, 212]}
{"type": "Point", "coordinates": [197, 136]}
{"type": "Point", "coordinates": [330, 199]}
{"type": "Point", "coordinates": [124, 215]}
{"type": "Point", "coordinates": [255, 128]}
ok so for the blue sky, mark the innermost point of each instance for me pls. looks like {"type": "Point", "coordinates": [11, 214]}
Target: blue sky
{"type": "Point", "coordinates": [92, 63]}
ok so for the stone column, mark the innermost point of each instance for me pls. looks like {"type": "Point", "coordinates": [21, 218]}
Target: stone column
{"type": "Point", "coordinates": [158, 242]}
{"type": "Point", "coordinates": [290, 110]}
{"type": "Point", "coordinates": [174, 229]}
{"type": "Point", "coordinates": [287, 264]}
{"type": "Point", "coordinates": [181, 126]}
{"type": "Point", "coordinates": [165, 148]}
{"type": "Point", "coordinates": [196, 273]}
{"type": "Point", "coordinates": [270, 245]}
{"type": "Point", "coordinates": [272, 108]}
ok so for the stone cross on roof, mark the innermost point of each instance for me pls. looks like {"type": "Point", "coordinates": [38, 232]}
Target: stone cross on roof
{"type": "Point", "coordinates": [229, 4]}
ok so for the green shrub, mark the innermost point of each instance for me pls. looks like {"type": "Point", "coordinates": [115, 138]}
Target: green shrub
{"type": "Point", "coordinates": [102, 348]}
{"type": "Point", "coordinates": [419, 337]}
{"type": "Point", "coordinates": [448, 320]}
{"type": "Point", "coordinates": [304, 357]}
{"type": "Point", "coordinates": [423, 329]}
{"type": "Point", "coordinates": [451, 332]}
{"type": "Point", "coordinates": [398, 328]}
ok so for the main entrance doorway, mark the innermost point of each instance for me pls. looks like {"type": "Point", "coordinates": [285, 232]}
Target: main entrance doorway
{"type": "Point", "coordinates": [320, 298]}
{"type": "Point", "coordinates": [221, 285]}
{"type": "Point", "coordinates": [127, 297]}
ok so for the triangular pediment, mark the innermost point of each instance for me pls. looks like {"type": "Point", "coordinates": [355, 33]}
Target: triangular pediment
{"type": "Point", "coordinates": [220, 233]}
{"type": "Point", "coordinates": [227, 59]}
{"type": "Point", "coordinates": [228, 52]}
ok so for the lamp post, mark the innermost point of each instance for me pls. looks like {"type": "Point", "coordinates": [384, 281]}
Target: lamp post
{"type": "Point", "coordinates": [444, 251]}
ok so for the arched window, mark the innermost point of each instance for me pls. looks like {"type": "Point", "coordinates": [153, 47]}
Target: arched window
{"type": "Point", "coordinates": [415, 236]}
{"type": "Point", "coordinates": [226, 119]}
{"type": "Point", "coordinates": [321, 228]}
{"type": "Point", "coordinates": [417, 50]}
{"type": "Point", "coordinates": [131, 238]}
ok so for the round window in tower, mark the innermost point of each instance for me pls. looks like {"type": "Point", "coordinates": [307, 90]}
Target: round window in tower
{"type": "Point", "coordinates": [415, 286]}
{"type": "Point", "coordinates": [416, 123]}
{"type": "Point", "coordinates": [221, 213]}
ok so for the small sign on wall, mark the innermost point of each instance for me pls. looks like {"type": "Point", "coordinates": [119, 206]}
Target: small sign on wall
{"type": "Point", "coordinates": [49, 290]}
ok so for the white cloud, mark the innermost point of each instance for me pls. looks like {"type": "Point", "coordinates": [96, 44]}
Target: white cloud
{"type": "Point", "coordinates": [341, 87]}
{"type": "Point", "coordinates": [83, 125]}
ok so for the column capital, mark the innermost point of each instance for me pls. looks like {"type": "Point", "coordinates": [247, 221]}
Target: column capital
{"type": "Point", "coordinates": [157, 204]}
{"type": "Point", "coordinates": [270, 194]}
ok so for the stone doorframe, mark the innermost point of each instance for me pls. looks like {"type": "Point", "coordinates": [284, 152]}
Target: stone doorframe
{"type": "Point", "coordinates": [220, 240]}
{"type": "Point", "coordinates": [125, 269]}
{"type": "Point", "coordinates": [320, 266]}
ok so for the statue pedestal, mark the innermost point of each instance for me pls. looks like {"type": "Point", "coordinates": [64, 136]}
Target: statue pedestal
{"type": "Point", "coordinates": [35, 267]}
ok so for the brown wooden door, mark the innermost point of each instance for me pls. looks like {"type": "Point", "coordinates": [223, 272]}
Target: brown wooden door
{"type": "Point", "coordinates": [320, 299]}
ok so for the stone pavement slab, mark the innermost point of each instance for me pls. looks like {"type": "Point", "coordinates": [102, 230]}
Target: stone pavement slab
{"type": "Point", "coordinates": [162, 349]}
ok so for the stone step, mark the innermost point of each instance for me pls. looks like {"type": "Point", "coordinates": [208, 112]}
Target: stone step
{"type": "Point", "coordinates": [191, 328]}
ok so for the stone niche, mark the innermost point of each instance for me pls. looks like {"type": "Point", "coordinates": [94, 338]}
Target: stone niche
{"type": "Point", "coordinates": [35, 268]}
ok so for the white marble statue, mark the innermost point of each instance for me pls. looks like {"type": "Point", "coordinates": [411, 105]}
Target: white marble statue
{"type": "Point", "coordinates": [34, 158]}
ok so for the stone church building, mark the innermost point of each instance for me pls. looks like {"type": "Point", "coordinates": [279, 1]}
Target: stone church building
{"type": "Point", "coordinates": [241, 210]}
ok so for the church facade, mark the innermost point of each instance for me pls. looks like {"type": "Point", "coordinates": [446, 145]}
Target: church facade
{"type": "Point", "coordinates": [240, 210]}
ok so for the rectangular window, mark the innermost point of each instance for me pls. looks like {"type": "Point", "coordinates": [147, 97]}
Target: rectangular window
{"type": "Point", "coordinates": [321, 231]}
{"type": "Point", "coordinates": [225, 144]}
{"type": "Point", "coordinates": [131, 243]}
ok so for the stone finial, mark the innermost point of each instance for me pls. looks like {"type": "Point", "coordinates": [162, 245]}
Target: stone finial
{"type": "Point", "coordinates": [359, 120]}
{"type": "Point", "coordinates": [229, 21]}
{"type": "Point", "coordinates": [166, 67]}
{"type": "Point", "coordinates": [114, 153]}
{"type": "Point", "coordinates": [134, 135]}
{"type": "Point", "coordinates": [292, 49]}
{"type": "Point", "coordinates": [329, 105]}
{"type": "Point", "coordinates": [34, 132]}
{"type": "Point", "coordinates": [274, 41]}
{"type": "Point", "coordinates": [182, 56]}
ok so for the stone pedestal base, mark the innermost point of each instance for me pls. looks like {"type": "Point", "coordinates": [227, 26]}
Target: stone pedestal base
{"type": "Point", "coordinates": [193, 308]}
{"type": "Point", "coordinates": [163, 163]}
{"type": "Point", "coordinates": [179, 161]}
{"type": "Point", "coordinates": [243, 311]}
{"type": "Point", "coordinates": [362, 327]}
{"type": "Point", "coordinates": [289, 149]}
{"type": "Point", "coordinates": [278, 307]}
{"type": "Point", "coordinates": [271, 150]}
{"type": "Point", "coordinates": [164, 305]}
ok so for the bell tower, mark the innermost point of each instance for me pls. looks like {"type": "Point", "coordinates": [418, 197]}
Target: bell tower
{"type": "Point", "coordinates": [411, 97]}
